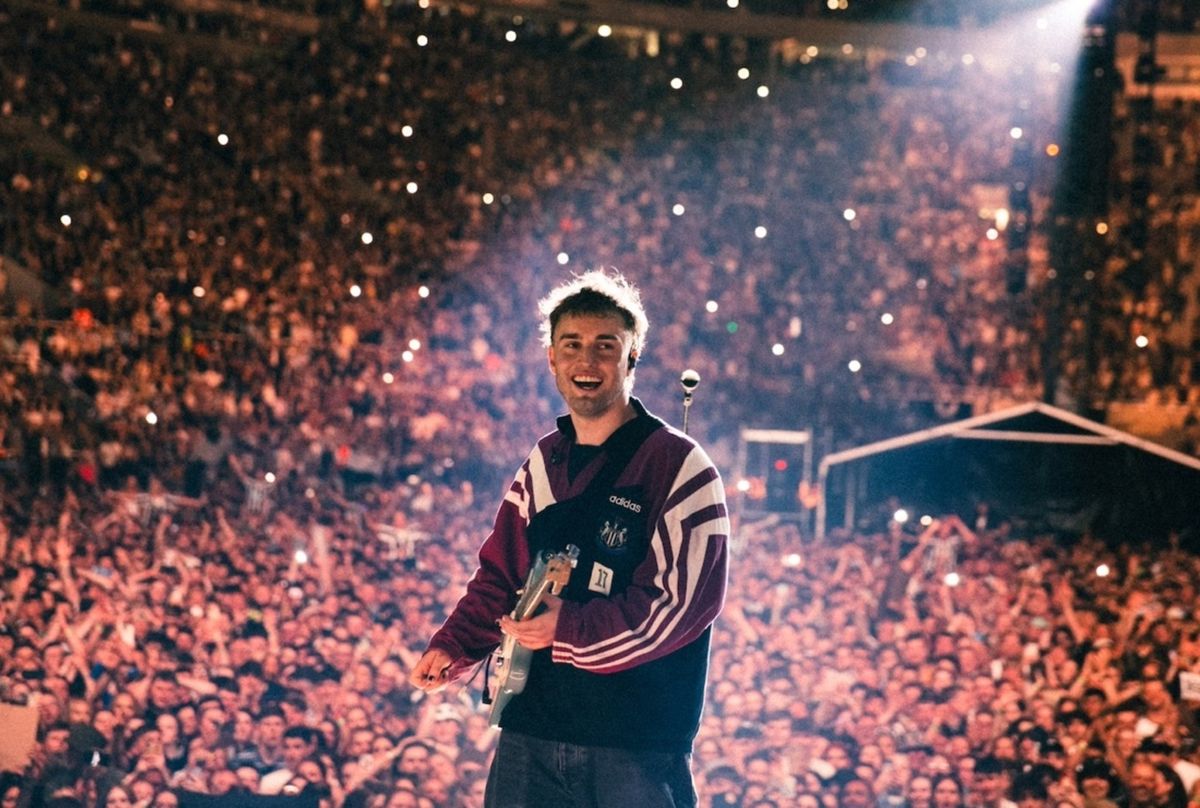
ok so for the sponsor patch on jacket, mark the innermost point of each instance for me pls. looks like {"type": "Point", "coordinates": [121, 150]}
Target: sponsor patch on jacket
{"type": "Point", "coordinates": [601, 579]}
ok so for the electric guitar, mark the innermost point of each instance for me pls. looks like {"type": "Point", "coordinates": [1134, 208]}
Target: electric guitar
{"type": "Point", "coordinates": [510, 664]}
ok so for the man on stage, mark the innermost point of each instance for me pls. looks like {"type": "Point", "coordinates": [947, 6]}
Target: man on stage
{"type": "Point", "coordinates": [617, 679]}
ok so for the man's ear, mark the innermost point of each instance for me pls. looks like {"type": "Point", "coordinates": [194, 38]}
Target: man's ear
{"type": "Point", "coordinates": [632, 360]}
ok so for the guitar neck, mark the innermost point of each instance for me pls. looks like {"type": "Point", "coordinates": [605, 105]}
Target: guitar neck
{"type": "Point", "coordinates": [530, 599]}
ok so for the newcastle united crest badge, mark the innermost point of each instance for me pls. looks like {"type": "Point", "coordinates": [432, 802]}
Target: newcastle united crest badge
{"type": "Point", "coordinates": [614, 535]}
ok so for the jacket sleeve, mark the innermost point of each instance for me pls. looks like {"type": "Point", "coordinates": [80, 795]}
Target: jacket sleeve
{"type": "Point", "coordinates": [676, 592]}
{"type": "Point", "coordinates": [470, 632]}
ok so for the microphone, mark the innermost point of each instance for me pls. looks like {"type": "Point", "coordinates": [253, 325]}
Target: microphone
{"type": "Point", "coordinates": [688, 381]}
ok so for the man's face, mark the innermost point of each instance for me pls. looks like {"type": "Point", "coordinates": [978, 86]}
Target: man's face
{"type": "Point", "coordinates": [387, 678]}
{"type": "Point", "coordinates": [837, 757]}
{"type": "Point", "coordinates": [360, 742]}
{"type": "Point", "coordinates": [79, 712]}
{"type": "Point", "coordinates": [1142, 782]}
{"type": "Point", "coordinates": [966, 771]}
{"type": "Point", "coordinates": [294, 751]}
{"type": "Point", "coordinates": [357, 718]}
{"type": "Point", "coordinates": [855, 794]}
{"type": "Point", "coordinates": [778, 732]}
{"type": "Point", "coordinates": [445, 731]}
{"type": "Point", "coordinates": [983, 688]}
{"type": "Point", "coordinates": [968, 658]}
{"type": "Point", "coordinates": [758, 771]}
{"type": "Point", "coordinates": [104, 722]}
{"type": "Point", "coordinates": [223, 781]}
{"type": "Point", "coordinates": [722, 785]}
{"type": "Point", "coordinates": [990, 786]}
{"type": "Point", "coordinates": [124, 707]}
{"type": "Point", "coordinates": [946, 794]}
{"type": "Point", "coordinates": [436, 790]}
{"type": "Point", "coordinates": [1155, 693]}
{"type": "Point", "coordinates": [589, 357]}
{"type": "Point", "coordinates": [474, 796]}
{"type": "Point", "coordinates": [1126, 742]}
{"type": "Point", "coordinates": [1094, 788]}
{"type": "Point", "coordinates": [414, 760]}
{"type": "Point", "coordinates": [25, 658]}
{"type": "Point", "coordinates": [243, 726]}
{"type": "Point", "coordinates": [270, 729]}
{"type": "Point", "coordinates": [920, 791]}
{"type": "Point", "coordinates": [162, 693]}
{"type": "Point", "coordinates": [56, 742]}
{"type": "Point", "coordinates": [292, 715]}
{"type": "Point", "coordinates": [1077, 729]}
{"type": "Point", "coordinates": [229, 698]}
{"type": "Point", "coordinates": [915, 651]}
{"type": "Point", "coordinates": [943, 679]}
{"type": "Point", "coordinates": [249, 778]}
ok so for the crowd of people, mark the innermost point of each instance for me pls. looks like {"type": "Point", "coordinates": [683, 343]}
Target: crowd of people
{"type": "Point", "coordinates": [845, 260]}
{"type": "Point", "coordinates": [1178, 16]}
{"type": "Point", "coordinates": [230, 647]}
{"type": "Point", "coordinates": [260, 349]}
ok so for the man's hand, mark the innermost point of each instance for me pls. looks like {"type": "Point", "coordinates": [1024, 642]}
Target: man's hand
{"type": "Point", "coordinates": [1137, 601]}
{"type": "Point", "coordinates": [62, 544]}
{"type": "Point", "coordinates": [537, 632]}
{"type": "Point", "coordinates": [431, 671]}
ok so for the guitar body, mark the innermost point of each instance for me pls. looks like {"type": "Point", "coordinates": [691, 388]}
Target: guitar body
{"type": "Point", "coordinates": [510, 664]}
{"type": "Point", "coordinates": [512, 674]}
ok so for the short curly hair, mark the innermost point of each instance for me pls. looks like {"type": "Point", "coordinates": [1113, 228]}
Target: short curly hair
{"type": "Point", "coordinates": [595, 292]}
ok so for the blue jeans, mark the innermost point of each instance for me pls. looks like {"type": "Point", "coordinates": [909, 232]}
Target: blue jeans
{"type": "Point", "coordinates": [532, 773]}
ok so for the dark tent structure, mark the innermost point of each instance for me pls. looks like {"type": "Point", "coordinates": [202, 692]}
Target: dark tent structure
{"type": "Point", "coordinates": [1035, 463]}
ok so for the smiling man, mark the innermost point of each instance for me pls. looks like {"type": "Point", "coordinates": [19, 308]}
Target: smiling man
{"type": "Point", "coordinates": [616, 683]}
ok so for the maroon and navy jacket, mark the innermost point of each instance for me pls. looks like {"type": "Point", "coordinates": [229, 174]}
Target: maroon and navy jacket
{"type": "Point", "coordinates": [629, 661]}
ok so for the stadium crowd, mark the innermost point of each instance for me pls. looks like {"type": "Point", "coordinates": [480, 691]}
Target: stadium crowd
{"type": "Point", "coordinates": [1178, 16]}
{"type": "Point", "coordinates": [234, 644]}
{"type": "Point", "coordinates": [268, 353]}
{"type": "Point", "coordinates": [225, 249]}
